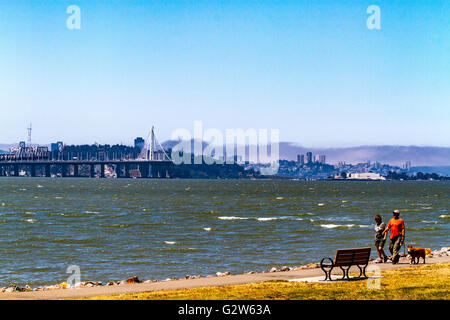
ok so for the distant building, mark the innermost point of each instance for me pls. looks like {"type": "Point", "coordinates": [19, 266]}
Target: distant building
{"type": "Point", "coordinates": [139, 143]}
{"type": "Point", "coordinates": [407, 165]}
{"type": "Point", "coordinates": [317, 158]}
{"type": "Point", "coordinates": [57, 147]}
{"type": "Point", "coordinates": [365, 176]}
{"type": "Point", "coordinates": [301, 159]}
{"type": "Point", "coordinates": [309, 157]}
{"type": "Point", "coordinates": [322, 158]}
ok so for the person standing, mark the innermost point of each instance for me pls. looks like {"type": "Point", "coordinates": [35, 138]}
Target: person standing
{"type": "Point", "coordinates": [380, 238]}
{"type": "Point", "coordinates": [397, 228]}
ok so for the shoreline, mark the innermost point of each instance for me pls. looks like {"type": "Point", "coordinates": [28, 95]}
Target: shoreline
{"type": "Point", "coordinates": [129, 286]}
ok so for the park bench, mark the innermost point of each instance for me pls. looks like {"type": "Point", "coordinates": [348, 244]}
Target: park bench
{"type": "Point", "coordinates": [345, 259]}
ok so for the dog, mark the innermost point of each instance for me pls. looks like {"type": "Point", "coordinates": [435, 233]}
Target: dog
{"type": "Point", "coordinates": [416, 252]}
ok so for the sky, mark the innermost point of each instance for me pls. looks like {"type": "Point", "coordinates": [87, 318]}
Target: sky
{"type": "Point", "coordinates": [311, 69]}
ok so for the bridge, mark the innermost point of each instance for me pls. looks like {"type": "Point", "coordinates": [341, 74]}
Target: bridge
{"type": "Point", "coordinates": [151, 163]}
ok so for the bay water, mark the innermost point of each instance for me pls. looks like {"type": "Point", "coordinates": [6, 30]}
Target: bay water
{"type": "Point", "coordinates": [117, 228]}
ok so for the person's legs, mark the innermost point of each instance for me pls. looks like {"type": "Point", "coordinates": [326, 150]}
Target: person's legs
{"type": "Point", "coordinates": [391, 246]}
{"type": "Point", "coordinates": [396, 249]}
{"type": "Point", "coordinates": [381, 251]}
{"type": "Point", "coordinates": [377, 246]}
{"type": "Point", "coordinates": [383, 254]}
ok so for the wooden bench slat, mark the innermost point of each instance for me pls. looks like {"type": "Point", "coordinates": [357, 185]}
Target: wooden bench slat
{"type": "Point", "coordinates": [354, 256]}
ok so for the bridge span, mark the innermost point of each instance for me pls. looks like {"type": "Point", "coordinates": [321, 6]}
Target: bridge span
{"type": "Point", "coordinates": [147, 168]}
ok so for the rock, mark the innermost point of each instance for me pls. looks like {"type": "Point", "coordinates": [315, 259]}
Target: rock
{"type": "Point", "coordinates": [187, 277]}
{"type": "Point", "coordinates": [299, 268]}
{"type": "Point", "coordinates": [134, 279]}
{"type": "Point", "coordinates": [273, 269]}
{"type": "Point", "coordinates": [87, 284]}
{"type": "Point", "coordinates": [111, 283]}
{"type": "Point", "coordinates": [251, 272]}
{"type": "Point", "coordinates": [223, 274]}
{"type": "Point", "coordinates": [54, 287]}
{"type": "Point", "coordinates": [150, 281]}
{"type": "Point", "coordinates": [14, 288]}
{"type": "Point", "coordinates": [285, 268]}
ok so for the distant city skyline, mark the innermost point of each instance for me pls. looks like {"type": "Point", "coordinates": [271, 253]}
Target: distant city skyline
{"type": "Point", "coordinates": [312, 70]}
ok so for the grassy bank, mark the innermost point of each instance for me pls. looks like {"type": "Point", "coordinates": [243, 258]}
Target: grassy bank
{"type": "Point", "coordinates": [419, 282]}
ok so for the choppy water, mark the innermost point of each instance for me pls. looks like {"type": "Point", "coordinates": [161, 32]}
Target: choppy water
{"type": "Point", "coordinates": [156, 229]}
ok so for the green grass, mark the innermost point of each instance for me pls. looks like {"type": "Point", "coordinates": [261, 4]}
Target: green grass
{"type": "Point", "coordinates": [413, 283]}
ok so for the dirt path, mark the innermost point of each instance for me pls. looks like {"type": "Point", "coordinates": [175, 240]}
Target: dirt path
{"type": "Point", "coordinates": [190, 283]}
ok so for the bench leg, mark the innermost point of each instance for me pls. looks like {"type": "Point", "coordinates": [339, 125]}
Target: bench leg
{"type": "Point", "coordinates": [362, 271]}
{"type": "Point", "coordinates": [345, 273]}
{"type": "Point", "coordinates": [327, 274]}
{"type": "Point", "coordinates": [324, 268]}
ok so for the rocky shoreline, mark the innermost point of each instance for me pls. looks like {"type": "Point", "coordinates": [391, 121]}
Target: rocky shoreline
{"type": "Point", "coordinates": [445, 251]}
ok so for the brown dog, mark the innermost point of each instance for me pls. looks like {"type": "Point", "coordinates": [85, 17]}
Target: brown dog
{"type": "Point", "coordinates": [416, 252]}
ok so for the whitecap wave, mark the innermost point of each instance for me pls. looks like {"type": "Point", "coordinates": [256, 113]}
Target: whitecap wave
{"type": "Point", "coordinates": [266, 219]}
{"type": "Point", "coordinates": [333, 226]}
{"type": "Point", "coordinates": [232, 218]}
{"type": "Point", "coordinates": [330, 226]}
{"type": "Point", "coordinates": [207, 229]}
{"type": "Point", "coordinates": [169, 242]}
{"type": "Point", "coordinates": [444, 216]}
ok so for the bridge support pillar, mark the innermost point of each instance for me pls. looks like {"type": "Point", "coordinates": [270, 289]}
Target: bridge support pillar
{"type": "Point", "coordinates": [145, 170]}
{"type": "Point", "coordinates": [16, 170]}
{"type": "Point", "coordinates": [127, 170]}
{"type": "Point", "coordinates": [47, 171]}
{"type": "Point", "coordinates": [92, 170]}
{"type": "Point", "coordinates": [33, 170]}
{"type": "Point", "coordinates": [76, 170]}
{"type": "Point", "coordinates": [64, 170]}
{"type": "Point", "coordinates": [119, 170]}
{"type": "Point", "coordinates": [102, 170]}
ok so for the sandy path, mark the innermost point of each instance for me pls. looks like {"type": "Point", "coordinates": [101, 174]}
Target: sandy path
{"type": "Point", "coordinates": [190, 283]}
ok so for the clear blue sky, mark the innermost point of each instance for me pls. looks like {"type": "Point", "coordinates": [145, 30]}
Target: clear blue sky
{"type": "Point", "coordinates": [309, 68]}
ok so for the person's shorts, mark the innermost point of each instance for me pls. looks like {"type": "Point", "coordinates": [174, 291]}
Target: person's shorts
{"type": "Point", "coordinates": [380, 243]}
